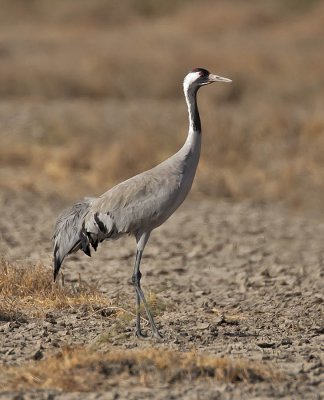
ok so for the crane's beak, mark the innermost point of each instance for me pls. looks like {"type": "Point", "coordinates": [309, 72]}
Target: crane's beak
{"type": "Point", "coordinates": [215, 78]}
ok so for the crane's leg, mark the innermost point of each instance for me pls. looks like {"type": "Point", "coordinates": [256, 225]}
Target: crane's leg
{"type": "Point", "coordinates": [136, 279]}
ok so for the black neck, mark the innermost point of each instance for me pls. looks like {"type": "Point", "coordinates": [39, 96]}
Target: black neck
{"type": "Point", "coordinates": [194, 118]}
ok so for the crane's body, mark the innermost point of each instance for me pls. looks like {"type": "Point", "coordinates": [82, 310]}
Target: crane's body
{"type": "Point", "coordinates": [139, 204]}
{"type": "Point", "coordinates": [145, 201]}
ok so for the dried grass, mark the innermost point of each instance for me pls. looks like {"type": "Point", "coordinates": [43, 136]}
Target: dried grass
{"type": "Point", "coordinates": [82, 369]}
{"type": "Point", "coordinates": [29, 290]}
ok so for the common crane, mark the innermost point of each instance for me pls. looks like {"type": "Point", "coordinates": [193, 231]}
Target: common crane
{"type": "Point", "coordinates": [139, 204]}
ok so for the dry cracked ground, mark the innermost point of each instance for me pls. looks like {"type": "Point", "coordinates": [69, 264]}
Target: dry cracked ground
{"type": "Point", "coordinates": [239, 282]}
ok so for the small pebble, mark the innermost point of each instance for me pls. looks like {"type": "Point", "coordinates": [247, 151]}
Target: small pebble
{"type": "Point", "coordinates": [202, 326]}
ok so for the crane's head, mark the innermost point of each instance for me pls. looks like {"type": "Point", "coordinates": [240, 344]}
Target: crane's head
{"type": "Point", "coordinates": [199, 77]}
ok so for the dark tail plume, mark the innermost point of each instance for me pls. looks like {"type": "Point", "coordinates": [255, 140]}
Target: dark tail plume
{"type": "Point", "coordinates": [68, 233]}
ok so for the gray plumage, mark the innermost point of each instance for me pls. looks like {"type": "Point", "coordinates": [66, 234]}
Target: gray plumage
{"type": "Point", "coordinates": [139, 204]}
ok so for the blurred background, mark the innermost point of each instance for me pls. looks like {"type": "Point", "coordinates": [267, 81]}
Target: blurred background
{"type": "Point", "coordinates": [91, 93]}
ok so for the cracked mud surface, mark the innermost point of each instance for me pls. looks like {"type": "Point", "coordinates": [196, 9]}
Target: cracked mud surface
{"type": "Point", "coordinates": [236, 280]}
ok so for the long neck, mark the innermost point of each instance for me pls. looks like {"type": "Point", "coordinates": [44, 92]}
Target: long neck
{"type": "Point", "coordinates": [187, 157]}
{"type": "Point", "coordinates": [194, 133]}
{"type": "Point", "coordinates": [194, 119]}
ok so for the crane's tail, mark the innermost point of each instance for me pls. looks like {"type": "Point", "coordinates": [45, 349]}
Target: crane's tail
{"type": "Point", "coordinates": [68, 232]}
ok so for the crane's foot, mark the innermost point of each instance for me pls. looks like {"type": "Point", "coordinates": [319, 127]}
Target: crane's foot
{"type": "Point", "coordinates": [140, 335]}
{"type": "Point", "coordinates": [156, 335]}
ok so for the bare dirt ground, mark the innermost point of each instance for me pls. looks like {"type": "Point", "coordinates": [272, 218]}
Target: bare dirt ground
{"type": "Point", "coordinates": [237, 280]}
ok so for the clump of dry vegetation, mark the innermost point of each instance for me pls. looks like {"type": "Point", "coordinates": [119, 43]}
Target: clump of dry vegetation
{"type": "Point", "coordinates": [29, 290]}
{"type": "Point", "coordinates": [82, 369]}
